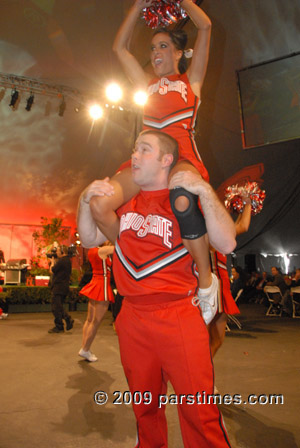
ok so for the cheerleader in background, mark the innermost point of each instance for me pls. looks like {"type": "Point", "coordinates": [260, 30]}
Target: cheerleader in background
{"type": "Point", "coordinates": [227, 304]}
{"type": "Point", "coordinates": [99, 293]}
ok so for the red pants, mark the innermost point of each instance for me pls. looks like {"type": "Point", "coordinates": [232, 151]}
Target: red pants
{"type": "Point", "coordinates": [162, 342]}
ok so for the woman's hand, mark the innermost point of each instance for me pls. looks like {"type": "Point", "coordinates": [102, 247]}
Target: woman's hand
{"type": "Point", "coordinates": [144, 3]}
{"type": "Point", "coordinates": [189, 180]}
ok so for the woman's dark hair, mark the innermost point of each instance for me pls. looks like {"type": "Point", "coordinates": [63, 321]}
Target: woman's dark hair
{"type": "Point", "coordinates": [179, 39]}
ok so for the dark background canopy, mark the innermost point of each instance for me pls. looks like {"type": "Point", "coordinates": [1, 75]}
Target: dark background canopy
{"type": "Point", "coordinates": [46, 160]}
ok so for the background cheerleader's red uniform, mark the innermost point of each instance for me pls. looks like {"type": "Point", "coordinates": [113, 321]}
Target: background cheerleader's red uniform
{"type": "Point", "coordinates": [219, 267]}
{"type": "Point", "coordinates": [162, 336]}
{"type": "Point", "coordinates": [99, 287]}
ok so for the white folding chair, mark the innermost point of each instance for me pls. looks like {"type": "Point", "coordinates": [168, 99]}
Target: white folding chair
{"type": "Point", "coordinates": [240, 292]}
{"type": "Point", "coordinates": [232, 318]}
{"type": "Point", "coordinates": [296, 304]}
{"type": "Point", "coordinates": [275, 309]}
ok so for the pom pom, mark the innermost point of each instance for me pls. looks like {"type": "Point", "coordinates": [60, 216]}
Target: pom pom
{"type": "Point", "coordinates": [235, 195]}
{"type": "Point", "coordinates": [163, 13]}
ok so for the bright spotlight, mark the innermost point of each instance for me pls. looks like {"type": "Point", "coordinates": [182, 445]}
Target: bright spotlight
{"type": "Point", "coordinates": [96, 112]}
{"type": "Point", "coordinates": [286, 262]}
{"type": "Point", "coordinates": [140, 97]}
{"type": "Point", "coordinates": [114, 92]}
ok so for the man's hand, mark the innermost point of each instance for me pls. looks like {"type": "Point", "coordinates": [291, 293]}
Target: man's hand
{"type": "Point", "coordinates": [90, 235]}
{"type": "Point", "coordinates": [97, 188]}
{"type": "Point", "coordinates": [190, 181]}
{"type": "Point", "coordinates": [220, 226]}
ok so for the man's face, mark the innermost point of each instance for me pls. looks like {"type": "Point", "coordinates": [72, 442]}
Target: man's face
{"type": "Point", "coordinates": [274, 271]}
{"type": "Point", "coordinates": [59, 253]}
{"type": "Point", "coordinates": [147, 170]}
{"type": "Point", "coordinates": [235, 274]}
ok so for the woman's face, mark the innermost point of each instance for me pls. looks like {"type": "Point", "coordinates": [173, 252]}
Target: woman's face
{"type": "Point", "coordinates": [164, 55]}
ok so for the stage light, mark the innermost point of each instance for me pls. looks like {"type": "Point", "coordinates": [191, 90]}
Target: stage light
{"type": "Point", "coordinates": [140, 97]}
{"type": "Point", "coordinates": [29, 101]}
{"type": "Point", "coordinates": [62, 108]}
{"type": "Point", "coordinates": [286, 261]}
{"type": "Point", "coordinates": [114, 92]}
{"type": "Point", "coordinates": [78, 108]}
{"type": "Point", "coordinates": [96, 112]}
{"type": "Point", "coordinates": [14, 98]}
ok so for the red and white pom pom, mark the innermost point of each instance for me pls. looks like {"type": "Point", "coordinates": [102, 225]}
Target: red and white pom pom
{"type": "Point", "coordinates": [162, 13]}
{"type": "Point", "coordinates": [234, 197]}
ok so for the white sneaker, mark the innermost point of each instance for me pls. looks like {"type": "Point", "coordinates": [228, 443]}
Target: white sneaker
{"type": "Point", "coordinates": [208, 300]}
{"type": "Point", "coordinates": [89, 356]}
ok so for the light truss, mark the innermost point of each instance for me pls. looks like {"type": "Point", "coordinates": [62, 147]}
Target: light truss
{"type": "Point", "coordinates": [35, 86]}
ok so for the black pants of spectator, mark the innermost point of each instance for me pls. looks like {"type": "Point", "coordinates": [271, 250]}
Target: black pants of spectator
{"type": "Point", "coordinates": [59, 311]}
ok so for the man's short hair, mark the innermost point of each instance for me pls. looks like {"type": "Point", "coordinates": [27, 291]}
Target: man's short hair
{"type": "Point", "coordinates": [167, 144]}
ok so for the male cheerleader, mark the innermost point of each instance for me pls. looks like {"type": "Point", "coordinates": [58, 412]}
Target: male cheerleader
{"type": "Point", "coordinates": [162, 334]}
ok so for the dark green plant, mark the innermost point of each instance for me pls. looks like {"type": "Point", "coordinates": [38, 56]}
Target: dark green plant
{"type": "Point", "coordinates": [73, 295]}
{"type": "Point", "coordinates": [19, 295]}
{"type": "Point", "coordinates": [28, 295]}
{"type": "Point", "coordinates": [39, 271]}
{"type": "Point", "coordinates": [52, 230]}
{"type": "Point", "coordinates": [75, 277]}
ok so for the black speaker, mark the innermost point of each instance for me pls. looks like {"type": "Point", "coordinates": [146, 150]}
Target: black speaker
{"type": "Point", "coordinates": [250, 263]}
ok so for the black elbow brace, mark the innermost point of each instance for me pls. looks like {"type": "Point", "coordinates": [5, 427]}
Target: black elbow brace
{"type": "Point", "coordinates": [191, 221]}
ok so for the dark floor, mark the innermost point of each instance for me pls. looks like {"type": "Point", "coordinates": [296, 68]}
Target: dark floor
{"type": "Point", "coordinates": [46, 398]}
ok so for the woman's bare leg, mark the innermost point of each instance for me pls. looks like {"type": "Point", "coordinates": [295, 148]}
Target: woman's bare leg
{"type": "Point", "coordinates": [198, 248]}
{"type": "Point", "coordinates": [88, 320]}
{"type": "Point", "coordinates": [216, 331]}
{"type": "Point", "coordinates": [95, 315]}
{"type": "Point", "coordinates": [103, 208]}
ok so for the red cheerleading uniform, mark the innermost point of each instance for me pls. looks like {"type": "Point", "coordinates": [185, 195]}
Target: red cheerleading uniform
{"type": "Point", "coordinates": [226, 301]}
{"type": "Point", "coordinates": [99, 287]}
{"type": "Point", "coordinates": [162, 259]}
{"type": "Point", "coordinates": [172, 108]}
{"type": "Point", "coordinates": [162, 336]}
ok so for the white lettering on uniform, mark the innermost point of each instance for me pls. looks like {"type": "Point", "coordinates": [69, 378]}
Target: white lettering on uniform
{"type": "Point", "coordinates": [152, 224]}
{"type": "Point", "coordinates": [164, 85]}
